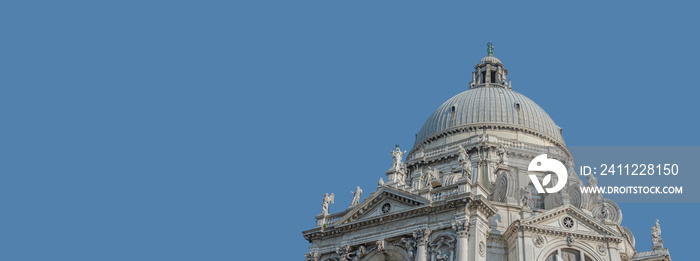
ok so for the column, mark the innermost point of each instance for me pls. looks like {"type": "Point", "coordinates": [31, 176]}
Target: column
{"type": "Point", "coordinates": [488, 74]}
{"type": "Point", "coordinates": [462, 229]}
{"type": "Point", "coordinates": [473, 79]}
{"type": "Point", "coordinates": [421, 237]}
{"type": "Point", "coordinates": [421, 254]}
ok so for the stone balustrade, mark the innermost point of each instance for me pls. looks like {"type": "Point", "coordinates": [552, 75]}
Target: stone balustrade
{"type": "Point", "coordinates": [441, 194]}
{"type": "Point", "coordinates": [329, 220]}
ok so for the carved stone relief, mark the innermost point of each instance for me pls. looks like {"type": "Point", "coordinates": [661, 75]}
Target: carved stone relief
{"type": "Point", "coordinates": [408, 244]}
{"type": "Point", "coordinates": [442, 248]}
{"type": "Point", "coordinates": [422, 236]}
{"type": "Point", "coordinates": [461, 227]}
{"type": "Point", "coordinates": [482, 248]}
{"type": "Point", "coordinates": [602, 249]}
{"type": "Point", "coordinates": [311, 256]}
{"type": "Point", "coordinates": [538, 240]}
{"type": "Point", "coordinates": [501, 188]}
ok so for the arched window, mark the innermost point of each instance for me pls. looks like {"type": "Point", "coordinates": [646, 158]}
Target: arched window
{"type": "Point", "coordinates": [553, 256]}
{"type": "Point", "coordinates": [568, 254]}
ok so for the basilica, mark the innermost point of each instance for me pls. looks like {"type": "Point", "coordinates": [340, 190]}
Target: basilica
{"type": "Point", "coordinates": [463, 192]}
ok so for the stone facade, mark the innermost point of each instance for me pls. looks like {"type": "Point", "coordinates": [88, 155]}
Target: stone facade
{"type": "Point", "coordinates": [463, 192]}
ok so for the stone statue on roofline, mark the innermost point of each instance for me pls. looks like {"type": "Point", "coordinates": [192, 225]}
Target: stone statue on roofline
{"type": "Point", "coordinates": [356, 196]}
{"type": "Point", "coordinates": [397, 155]}
{"type": "Point", "coordinates": [656, 240]}
{"type": "Point", "coordinates": [465, 162]}
{"type": "Point", "coordinates": [327, 200]}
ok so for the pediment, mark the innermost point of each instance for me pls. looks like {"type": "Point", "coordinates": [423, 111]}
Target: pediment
{"type": "Point", "coordinates": [385, 201]}
{"type": "Point", "coordinates": [569, 219]}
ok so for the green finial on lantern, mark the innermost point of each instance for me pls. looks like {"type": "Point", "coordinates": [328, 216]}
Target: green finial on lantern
{"type": "Point", "coordinates": [489, 49]}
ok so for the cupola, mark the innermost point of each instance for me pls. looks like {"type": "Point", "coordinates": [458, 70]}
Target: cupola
{"type": "Point", "coordinates": [489, 72]}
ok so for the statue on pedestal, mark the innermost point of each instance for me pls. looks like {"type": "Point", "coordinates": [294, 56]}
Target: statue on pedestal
{"type": "Point", "coordinates": [356, 196]}
{"type": "Point", "coordinates": [433, 173]}
{"type": "Point", "coordinates": [489, 48]}
{"type": "Point", "coordinates": [397, 155]}
{"type": "Point", "coordinates": [464, 161]}
{"type": "Point", "coordinates": [327, 200]}
{"type": "Point", "coordinates": [526, 197]}
{"type": "Point", "coordinates": [433, 177]}
{"type": "Point", "coordinates": [502, 154]}
{"type": "Point", "coordinates": [656, 235]}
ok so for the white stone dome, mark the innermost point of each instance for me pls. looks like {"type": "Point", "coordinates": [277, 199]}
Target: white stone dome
{"type": "Point", "coordinates": [490, 59]}
{"type": "Point", "coordinates": [490, 106]}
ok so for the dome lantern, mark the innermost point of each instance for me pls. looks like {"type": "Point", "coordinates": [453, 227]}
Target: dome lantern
{"type": "Point", "coordinates": [489, 72]}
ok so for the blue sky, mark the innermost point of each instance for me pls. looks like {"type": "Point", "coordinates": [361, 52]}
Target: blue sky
{"type": "Point", "coordinates": [144, 130]}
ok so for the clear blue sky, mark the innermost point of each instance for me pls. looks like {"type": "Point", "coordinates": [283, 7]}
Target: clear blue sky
{"type": "Point", "coordinates": [143, 130]}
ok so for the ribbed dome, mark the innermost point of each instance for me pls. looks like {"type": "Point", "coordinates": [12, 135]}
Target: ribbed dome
{"type": "Point", "coordinates": [491, 59]}
{"type": "Point", "coordinates": [490, 105]}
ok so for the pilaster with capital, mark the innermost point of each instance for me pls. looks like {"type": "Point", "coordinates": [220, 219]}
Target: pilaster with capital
{"type": "Point", "coordinates": [479, 212]}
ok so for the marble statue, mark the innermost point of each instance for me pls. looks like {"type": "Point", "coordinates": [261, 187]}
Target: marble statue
{"type": "Point", "coordinates": [463, 156]}
{"type": "Point", "coordinates": [502, 154]}
{"type": "Point", "coordinates": [401, 174]}
{"type": "Point", "coordinates": [356, 196]}
{"type": "Point", "coordinates": [463, 160]}
{"type": "Point", "coordinates": [526, 197]}
{"type": "Point", "coordinates": [656, 234]}
{"type": "Point", "coordinates": [397, 155]}
{"type": "Point", "coordinates": [433, 173]}
{"type": "Point", "coordinates": [603, 211]}
{"type": "Point", "coordinates": [381, 182]}
{"type": "Point", "coordinates": [327, 200]}
{"type": "Point", "coordinates": [433, 177]}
